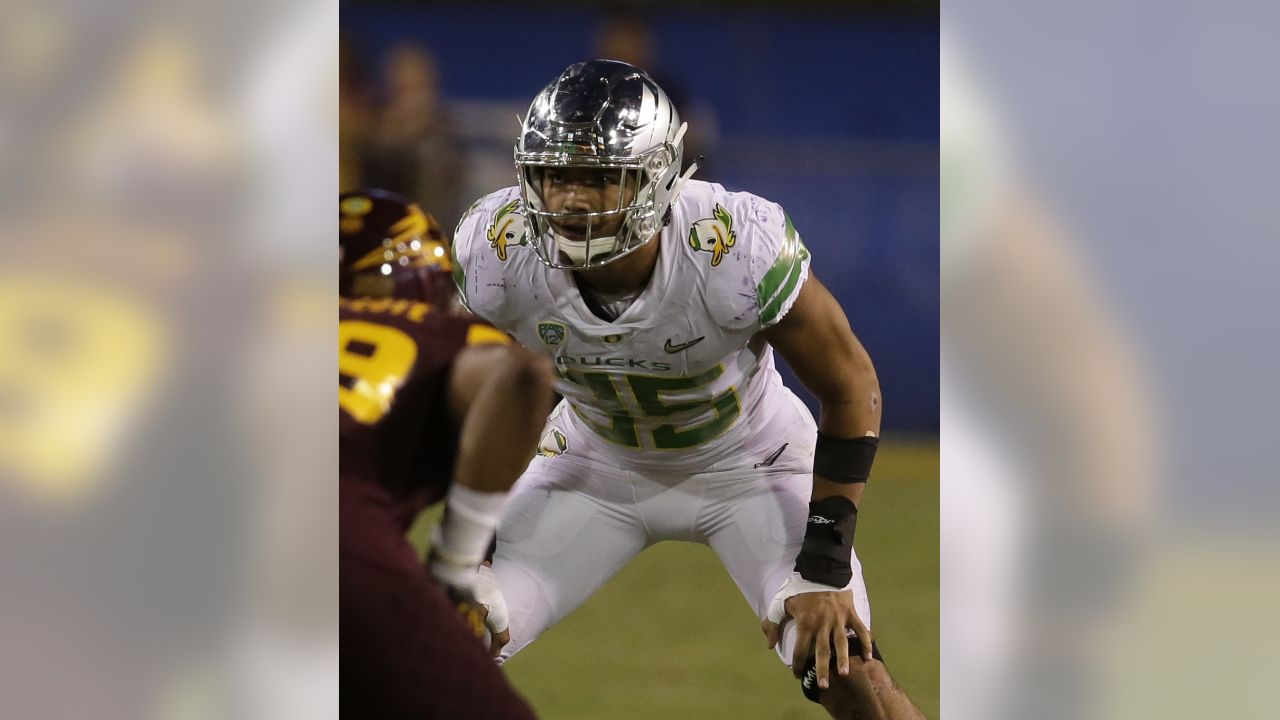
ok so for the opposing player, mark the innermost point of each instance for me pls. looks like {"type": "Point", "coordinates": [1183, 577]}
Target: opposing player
{"type": "Point", "coordinates": [661, 299]}
{"type": "Point", "coordinates": [425, 397]}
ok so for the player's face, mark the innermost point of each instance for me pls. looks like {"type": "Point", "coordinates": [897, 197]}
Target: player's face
{"type": "Point", "coordinates": [580, 190]}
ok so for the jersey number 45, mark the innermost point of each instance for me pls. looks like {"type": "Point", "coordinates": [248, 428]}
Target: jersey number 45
{"type": "Point", "coordinates": [647, 391]}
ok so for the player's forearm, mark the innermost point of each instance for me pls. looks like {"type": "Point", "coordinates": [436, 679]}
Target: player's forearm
{"type": "Point", "coordinates": [818, 344]}
{"type": "Point", "coordinates": [503, 393]}
{"type": "Point", "coordinates": [851, 412]}
{"type": "Point", "coordinates": [855, 411]}
{"type": "Point", "coordinates": [848, 434]}
{"type": "Point", "coordinates": [502, 425]}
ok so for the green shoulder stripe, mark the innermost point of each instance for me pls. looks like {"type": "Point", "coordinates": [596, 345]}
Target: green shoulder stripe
{"type": "Point", "coordinates": [770, 312]}
{"type": "Point", "coordinates": [782, 277]}
{"type": "Point", "coordinates": [777, 274]}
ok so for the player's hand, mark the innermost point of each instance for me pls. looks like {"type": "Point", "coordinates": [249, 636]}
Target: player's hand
{"type": "Point", "coordinates": [490, 597]}
{"type": "Point", "coordinates": [823, 618]}
{"type": "Point", "coordinates": [478, 599]}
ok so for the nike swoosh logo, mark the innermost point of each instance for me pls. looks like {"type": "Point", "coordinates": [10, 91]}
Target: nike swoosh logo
{"type": "Point", "coordinates": [772, 458]}
{"type": "Point", "coordinates": [682, 346]}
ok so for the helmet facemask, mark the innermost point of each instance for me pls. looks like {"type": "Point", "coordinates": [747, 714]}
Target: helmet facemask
{"type": "Point", "coordinates": [606, 129]}
{"type": "Point", "coordinates": [611, 210]}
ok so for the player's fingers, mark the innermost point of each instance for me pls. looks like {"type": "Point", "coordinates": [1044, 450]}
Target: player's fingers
{"type": "Point", "coordinates": [770, 631]}
{"type": "Point", "coordinates": [499, 641]}
{"type": "Point", "coordinates": [800, 653]}
{"type": "Point", "coordinates": [864, 637]}
{"type": "Point", "coordinates": [822, 656]}
{"type": "Point", "coordinates": [842, 654]}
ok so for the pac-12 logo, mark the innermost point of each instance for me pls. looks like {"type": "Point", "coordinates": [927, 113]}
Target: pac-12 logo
{"type": "Point", "coordinates": [714, 234]}
{"type": "Point", "coordinates": [552, 333]}
{"type": "Point", "coordinates": [508, 229]}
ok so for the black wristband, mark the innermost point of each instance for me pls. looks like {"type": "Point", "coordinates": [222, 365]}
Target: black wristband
{"type": "Point", "coordinates": [844, 460]}
{"type": "Point", "coordinates": [828, 542]}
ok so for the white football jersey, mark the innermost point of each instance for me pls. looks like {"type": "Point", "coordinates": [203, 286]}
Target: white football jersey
{"type": "Point", "coordinates": [673, 381]}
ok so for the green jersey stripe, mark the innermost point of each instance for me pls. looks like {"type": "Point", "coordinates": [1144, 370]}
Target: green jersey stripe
{"type": "Point", "coordinates": [770, 312]}
{"type": "Point", "coordinates": [781, 269]}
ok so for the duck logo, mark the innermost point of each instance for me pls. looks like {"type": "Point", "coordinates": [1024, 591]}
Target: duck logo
{"type": "Point", "coordinates": [552, 333]}
{"type": "Point", "coordinates": [508, 229]}
{"type": "Point", "coordinates": [714, 234]}
{"type": "Point", "coordinates": [553, 443]}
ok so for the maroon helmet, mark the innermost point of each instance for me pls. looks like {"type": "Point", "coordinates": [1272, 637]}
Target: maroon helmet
{"type": "Point", "coordinates": [391, 248]}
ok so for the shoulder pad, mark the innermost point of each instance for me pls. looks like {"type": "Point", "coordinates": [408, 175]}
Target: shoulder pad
{"type": "Point", "coordinates": [751, 255]}
{"type": "Point", "coordinates": [488, 237]}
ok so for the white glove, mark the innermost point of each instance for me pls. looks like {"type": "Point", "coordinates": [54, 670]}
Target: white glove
{"type": "Point", "coordinates": [795, 585]}
{"type": "Point", "coordinates": [478, 583]}
{"type": "Point", "coordinates": [490, 596]}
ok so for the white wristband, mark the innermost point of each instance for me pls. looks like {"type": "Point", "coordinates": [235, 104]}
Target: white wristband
{"type": "Point", "coordinates": [470, 517]}
{"type": "Point", "coordinates": [795, 585]}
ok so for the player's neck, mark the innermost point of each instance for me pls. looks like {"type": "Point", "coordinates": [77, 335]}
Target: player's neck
{"type": "Point", "coordinates": [627, 274]}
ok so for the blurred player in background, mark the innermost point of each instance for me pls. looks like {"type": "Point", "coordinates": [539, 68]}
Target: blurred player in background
{"type": "Point", "coordinates": [115, 486]}
{"type": "Point", "coordinates": [660, 300]}
{"type": "Point", "coordinates": [432, 405]}
{"type": "Point", "coordinates": [1048, 442]}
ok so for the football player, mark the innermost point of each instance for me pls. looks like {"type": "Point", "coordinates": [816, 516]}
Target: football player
{"type": "Point", "coordinates": [661, 300]}
{"type": "Point", "coordinates": [432, 405]}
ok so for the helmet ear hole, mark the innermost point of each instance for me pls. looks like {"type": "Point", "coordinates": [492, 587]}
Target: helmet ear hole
{"type": "Point", "coordinates": [656, 164]}
{"type": "Point", "coordinates": [647, 226]}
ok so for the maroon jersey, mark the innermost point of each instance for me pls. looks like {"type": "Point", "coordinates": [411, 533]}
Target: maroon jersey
{"type": "Point", "coordinates": [395, 427]}
{"type": "Point", "coordinates": [405, 651]}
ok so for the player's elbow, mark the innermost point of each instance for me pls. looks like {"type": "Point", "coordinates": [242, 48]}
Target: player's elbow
{"type": "Point", "coordinates": [862, 372]}
{"type": "Point", "coordinates": [853, 381]}
{"type": "Point", "coordinates": [529, 375]}
{"type": "Point", "coordinates": [535, 374]}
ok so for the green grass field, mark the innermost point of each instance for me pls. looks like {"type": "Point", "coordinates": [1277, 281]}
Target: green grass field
{"type": "Point", "coordinates": [671, 637]}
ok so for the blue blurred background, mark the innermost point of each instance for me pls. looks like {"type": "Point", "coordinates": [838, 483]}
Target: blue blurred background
{"type": "Point", "coordinates": [832, 113]}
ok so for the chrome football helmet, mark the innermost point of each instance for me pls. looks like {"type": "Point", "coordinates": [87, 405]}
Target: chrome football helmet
{"type": "Point", "coordinates": [610, 117]}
